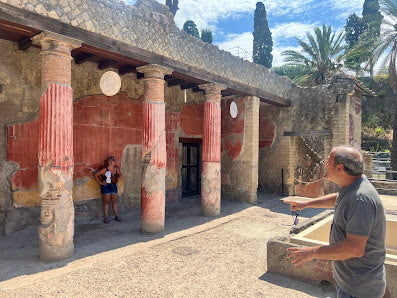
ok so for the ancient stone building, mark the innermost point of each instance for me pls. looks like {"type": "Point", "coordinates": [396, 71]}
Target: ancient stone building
{"type": "Point", "coordinates": [187, 119]}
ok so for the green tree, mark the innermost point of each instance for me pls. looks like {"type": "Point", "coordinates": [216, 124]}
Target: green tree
{"type": "Point", "coordinates": [173, 5]}
{"type": "Point", "coordinates": [190, 28]}
{"type": "Point", "coordinates": [385, 53]}
{"type": "Point", "coordinates": [372, 18]}
{"type": "Point", "coordinates": [206, 35]}
{"type": "Point", "coordinates": [263, 43]}
{"type": "Point", "coordinates": [299, 74]}
{"type": "Point", "coordinates": [320, 56]}
{"type": "Point", "coordinates": [354, 29]}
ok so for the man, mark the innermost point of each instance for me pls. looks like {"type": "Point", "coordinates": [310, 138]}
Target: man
{"type": "Point", "coordinates": [357, 238]}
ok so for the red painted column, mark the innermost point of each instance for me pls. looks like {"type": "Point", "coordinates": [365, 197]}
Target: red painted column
{"type": "Point", "coordinates": [56, 147]}
{"type": "Point", "coordinates": [154, 154]}
{"type": "Point", "coordinates": [211, 152]}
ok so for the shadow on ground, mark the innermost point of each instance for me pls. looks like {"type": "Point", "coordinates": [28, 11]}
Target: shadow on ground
{"type": "Point", "coordinates": [19, 252]}
{"type": "Point", "coordinates": [324, 289]}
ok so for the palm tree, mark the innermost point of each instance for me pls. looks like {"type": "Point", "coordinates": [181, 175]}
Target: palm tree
{"type": "Point", "coordinates": [384, 54]}
{"type": "Point", "coordinates": [320, 56]}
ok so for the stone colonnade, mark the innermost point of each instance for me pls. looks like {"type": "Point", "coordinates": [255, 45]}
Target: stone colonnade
{"type": "Point", "coordinates": [211, 156]}
{"type": "Point", "coordinates": [55, 176]}
{"type": "Point", "coordinates": [56, 160]}
{"type": "Point", "coordinates": [154, 153]}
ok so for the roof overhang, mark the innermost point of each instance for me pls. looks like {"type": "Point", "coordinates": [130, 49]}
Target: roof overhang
{"type": "Point", "coordinates": [20, 25]}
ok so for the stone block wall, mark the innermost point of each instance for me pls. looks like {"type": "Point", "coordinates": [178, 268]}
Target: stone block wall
{"type": "Point", "coordinates": [309, 171]}
{"type": "Point", "coordinates": [240, 140]}
{"type": "Point", "coordinates": [322, 108]}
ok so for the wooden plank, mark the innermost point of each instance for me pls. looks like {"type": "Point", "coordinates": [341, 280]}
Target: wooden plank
{"type": "Point", "coordinates": [105, 44]}
{"type": "Point", "coordinates": [308, 133]}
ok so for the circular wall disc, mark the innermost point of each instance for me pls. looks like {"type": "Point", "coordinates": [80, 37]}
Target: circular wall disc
{"type": "Point", "coordinates": [110, 83]}
{"type": "Point", "coordinates": [233, 109]}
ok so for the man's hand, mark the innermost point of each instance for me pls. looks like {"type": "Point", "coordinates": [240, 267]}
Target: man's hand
{"type": "Point", "coordinates": [301, 255]}
{"type": "Point", "coordinates": [295, 206]}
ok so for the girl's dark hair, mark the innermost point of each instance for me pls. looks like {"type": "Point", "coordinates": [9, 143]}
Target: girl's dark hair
{"type": "Point", "coordinates": [106, 161]}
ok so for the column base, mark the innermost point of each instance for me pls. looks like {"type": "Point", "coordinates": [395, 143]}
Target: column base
{"type": "Point", "coordinates": [211, 189]}
{"type": "Point", "coordinates": [50, 253]}
{"type": "Point", "coordinates": [152, 228]}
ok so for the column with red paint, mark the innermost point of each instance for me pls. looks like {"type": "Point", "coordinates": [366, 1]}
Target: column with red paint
{"type": "Point", "coordinates": [154, 155]}
{"type": "Point", "coordinates": [55, 177]}
{"type": "Point", "coordinates": [211, 151]}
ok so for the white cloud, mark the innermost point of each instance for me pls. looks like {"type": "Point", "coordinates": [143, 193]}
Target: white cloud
{"type": "Point", "coordinates": [291, 30]}
{"type": "Point", "coordinates": [239, 45]}
{"type": "Point", "coordinates": [207, 13]}
{"type": "Point", "coordinates": [278, 60]}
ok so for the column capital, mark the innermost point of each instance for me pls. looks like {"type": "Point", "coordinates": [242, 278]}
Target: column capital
{"type": "Point", "coordinates": [154, 71]}
{"type": "Point", "coordinates": [211, 88]}
{"type": "Point", "coordinates": [252, 97]}
{"type": "Point", "coordinates": [53, 42]}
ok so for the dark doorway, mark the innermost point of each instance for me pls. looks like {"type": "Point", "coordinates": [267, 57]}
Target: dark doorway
{"type": "Point", "coordinates": [191, 156]}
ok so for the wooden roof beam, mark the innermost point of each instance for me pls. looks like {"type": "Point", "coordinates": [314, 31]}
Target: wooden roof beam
{"type": "Point", "coordinates": [107, 64]}
{"type": "Point", "coordinates": [175, 82]}
{"type": "Point", "coordinates": [83, 58]}
{"type": "Point", "coordinates": [126, 69]}
{"type": "Point", "coordinates": [188, 86]}
{"type": "Point", "coordinates": [25, 44]}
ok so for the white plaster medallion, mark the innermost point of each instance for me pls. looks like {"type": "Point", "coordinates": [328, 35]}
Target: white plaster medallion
{"type": "Point", "coordinates": [110, 83]}
{"type": "Point", "coordinates": [233, 109]}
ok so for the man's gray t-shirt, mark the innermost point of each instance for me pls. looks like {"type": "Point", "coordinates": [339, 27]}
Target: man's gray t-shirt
{"type": "Point", "coordinates": [359, 211]}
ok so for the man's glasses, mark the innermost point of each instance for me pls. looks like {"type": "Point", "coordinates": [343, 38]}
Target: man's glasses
{"type": "Point", "coordinates": [296, 219]}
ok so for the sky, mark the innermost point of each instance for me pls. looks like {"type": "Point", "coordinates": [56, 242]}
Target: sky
{"type": "Point", "coordinates": [232, 21]}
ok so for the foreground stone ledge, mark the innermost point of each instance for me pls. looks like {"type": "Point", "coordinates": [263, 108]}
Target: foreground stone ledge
{"type": "Point", "coordinates": [313, 272]}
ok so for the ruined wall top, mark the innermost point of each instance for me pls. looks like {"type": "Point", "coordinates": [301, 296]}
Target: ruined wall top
{"type": "Point", "coordinates": [149, 25]}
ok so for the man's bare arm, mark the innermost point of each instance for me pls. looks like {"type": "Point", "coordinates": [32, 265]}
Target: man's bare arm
{"type": "Point", "coordinates": [352, 247]}
{"type": "Point", "coordinates": [327, 201]}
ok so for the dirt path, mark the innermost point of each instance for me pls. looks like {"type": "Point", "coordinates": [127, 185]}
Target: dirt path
{"type": "Point", "coordinates": [195, 257]}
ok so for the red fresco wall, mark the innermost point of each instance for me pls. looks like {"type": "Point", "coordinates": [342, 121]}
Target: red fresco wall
{"type": "Point", "coordinates": [172, 121]}
{"type": "Point", "coordinates": [266, 132]}
{"type": "Point", "coordinates": [232, 128]}
{"type": "Point", "coordinates": [192, 120]}
{"type": "Point", "coordinates": [102, 126]}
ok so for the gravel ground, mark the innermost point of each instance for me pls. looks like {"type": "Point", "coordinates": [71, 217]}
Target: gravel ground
{"type": "Point", "coordinates": [196, 256]}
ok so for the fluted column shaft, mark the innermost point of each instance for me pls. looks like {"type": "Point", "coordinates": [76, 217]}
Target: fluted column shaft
{"type": "Point", "coordinates": [56, 147]}
{"type": "Point", "coordinates": [211, 151]}
{"type": "Point", "coordinates": [154, 154]}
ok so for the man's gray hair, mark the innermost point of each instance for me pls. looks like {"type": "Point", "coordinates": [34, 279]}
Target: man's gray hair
{"type": "Point", "coordinates": [350, 158]}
